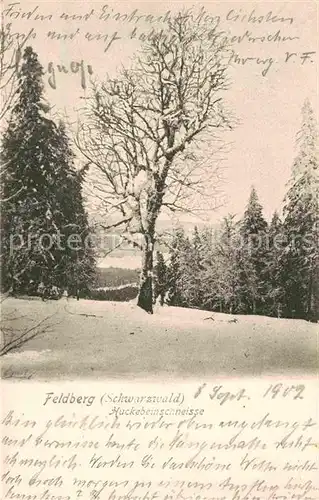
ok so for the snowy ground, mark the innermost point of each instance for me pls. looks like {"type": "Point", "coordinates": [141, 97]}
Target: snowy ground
{"type": "Point", "coordinates": [89, 339]}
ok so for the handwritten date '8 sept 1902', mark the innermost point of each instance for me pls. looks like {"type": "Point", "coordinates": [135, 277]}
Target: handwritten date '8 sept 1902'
{"type": "Point", "coordinates": [273, 391]}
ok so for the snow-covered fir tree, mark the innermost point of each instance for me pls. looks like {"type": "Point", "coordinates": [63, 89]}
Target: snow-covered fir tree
{"type": "Point", "coordinates": [253, 255]}
{"type": "Point", "coordinates": [274, 285]}
{"type": "Point", "coordinates": [178, 269]}
{"type": "Point", "coordinates": [42, 189]}
{"type": "Point", "coordinates": [227, 288]}
{"type": "Point", "coordinates": [195, 266]}
{"type": "Point", "coordinates": [301, 212]}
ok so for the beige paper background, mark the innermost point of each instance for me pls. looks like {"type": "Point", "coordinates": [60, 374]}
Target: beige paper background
{"type": "Point", "coordinates": [266, 477]}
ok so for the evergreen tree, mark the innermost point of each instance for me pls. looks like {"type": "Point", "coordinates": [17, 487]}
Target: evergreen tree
{"type": "Point", "coordinates": [275, 251]}
{"type": "Point", "coordinates": [160, 278]}
{"type": "Point", "coordinates": [197, 247]}
{"type": "Point", "coordinates": [44, 204]}
{"type": "Point", "coordinates": [227, 269]}
{"type": "Point", "coordinates": [253, 255]}
{"type": "Point", "coordinates": [253, 222]}
{"type": "Point", "coordinates": [209, 275]}
{"type": "Point", "coordinates": [301, 224]}
{"type": "Point", "coordinates": [179, 268]}
{"type": "Point", "coordinates": [193, 284]}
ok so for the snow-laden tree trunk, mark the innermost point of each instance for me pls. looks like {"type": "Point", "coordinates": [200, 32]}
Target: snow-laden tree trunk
{"type": "Point", "coordinates": [254, 306]}
{"type": "Point", "coordinates": [145, 295]}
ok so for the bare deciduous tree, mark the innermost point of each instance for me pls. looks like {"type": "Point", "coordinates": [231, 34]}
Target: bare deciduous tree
{"type": "Point", "coordinates": [147, 133]}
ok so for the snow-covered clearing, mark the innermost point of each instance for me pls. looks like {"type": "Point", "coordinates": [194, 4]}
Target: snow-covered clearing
{"type": "Point", "coordinates": [91, 339]}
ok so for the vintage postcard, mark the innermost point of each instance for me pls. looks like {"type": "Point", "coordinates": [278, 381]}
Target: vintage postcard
{"type": "Point", "coordinates": [159, 250]}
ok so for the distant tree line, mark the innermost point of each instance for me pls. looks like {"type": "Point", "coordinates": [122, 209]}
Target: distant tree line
{"type": "Point", "coordinates": [249, 266]}
{"type": "Point", "coordinates": [115, 277]}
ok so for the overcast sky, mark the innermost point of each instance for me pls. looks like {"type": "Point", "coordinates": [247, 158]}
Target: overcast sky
{"type": "Point", "coordinates": [267, 107]}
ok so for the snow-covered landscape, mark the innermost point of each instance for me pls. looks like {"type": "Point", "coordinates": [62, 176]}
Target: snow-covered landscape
{"type": "Point", "coordinates": [72, 339]}
{"type": "Point", "coordinates": [152, 191]}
